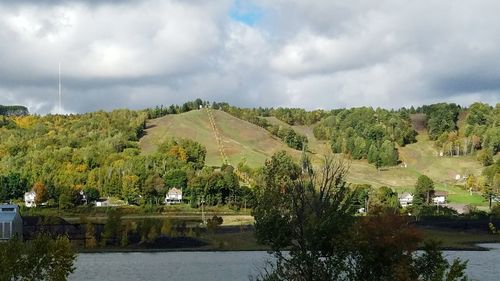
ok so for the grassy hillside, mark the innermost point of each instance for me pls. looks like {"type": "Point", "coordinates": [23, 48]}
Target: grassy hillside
{"type": "Point", "coordinates": [420, 158]}
{"type": "Point", "coordinates": [242, 140]}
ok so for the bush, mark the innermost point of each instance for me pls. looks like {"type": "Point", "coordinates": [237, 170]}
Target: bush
{"type": "Point", "coordinates": [485, 157]}
{"type": "Point", "coordinates": [435, 211]}
{"type": "Point", "coordinates": [495, 211]}
{"type": "Point", "coordinates": [475, 213]}
{"type": "Point", "coordinates": [49, 259]}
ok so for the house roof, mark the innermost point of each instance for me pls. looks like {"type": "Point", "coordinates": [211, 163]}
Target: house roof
{"type": "Point", "coordinates": [440, 193]}
{"type": "Point", "coordinates": [7, 216]}
{"type": "Point", "coordinates": [174, 191]}
{"type": "Point", "coordinates": [405, 194]}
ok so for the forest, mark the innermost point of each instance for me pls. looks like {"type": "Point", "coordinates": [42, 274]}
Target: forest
{"type": "Point", "coordinates": [365, 133]}
{"type": "Point", "coordinates": [13, 110]}
{"type": "Point", "coordinates": [58, 156]}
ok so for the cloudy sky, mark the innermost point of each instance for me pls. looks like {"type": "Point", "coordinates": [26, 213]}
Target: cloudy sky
{"type": "Point", "coordinates": [294, 53]}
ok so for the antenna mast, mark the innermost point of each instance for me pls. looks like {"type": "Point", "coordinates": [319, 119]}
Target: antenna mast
{"type": "Point", "coordinates": [60, 107]}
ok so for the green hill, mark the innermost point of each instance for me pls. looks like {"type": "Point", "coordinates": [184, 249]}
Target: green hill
{"type": "Point", "coordinates": [420, 158]}
{"type": "Point", "coordinates": [242, 140]}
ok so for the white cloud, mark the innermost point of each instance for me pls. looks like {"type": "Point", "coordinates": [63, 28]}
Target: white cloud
{"type": "Point", "coordinates": [319, 54]}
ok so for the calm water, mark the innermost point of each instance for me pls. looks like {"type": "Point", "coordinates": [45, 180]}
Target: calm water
{"type": "Point", "coordinates": [211, 266]}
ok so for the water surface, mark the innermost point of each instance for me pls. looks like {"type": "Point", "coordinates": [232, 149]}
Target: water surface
{"type": "Point", "coordinates": [234, 266]}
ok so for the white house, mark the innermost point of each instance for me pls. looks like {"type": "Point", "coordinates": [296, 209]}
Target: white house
{"type": "Point", "coordinates": [439, 197]}
{"type": "Point", "coordinates": [173, 196]}
{"type": "Point", "coordinates": [11, 223]}
{"type": "Point", "coordinates": [406, 199]}
{"type": "Point", "coordinates": [102, 203]}
{"type": "Point", "coordinates": [29, 199]}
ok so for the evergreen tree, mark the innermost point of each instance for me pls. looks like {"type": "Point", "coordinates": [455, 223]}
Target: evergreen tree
{"type": "Point", "coordinates": [372, 153]}
{"type": "Point", "coordinates": [424, 189]}
{"type": "Point", "coordinates": [388, 154]}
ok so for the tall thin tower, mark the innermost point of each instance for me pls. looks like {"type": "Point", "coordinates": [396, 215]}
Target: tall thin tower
{"type": "Point", "coordinates": [60, 103]}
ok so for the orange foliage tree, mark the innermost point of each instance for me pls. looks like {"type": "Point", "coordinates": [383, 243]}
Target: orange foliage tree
{"type": "Point", "coordinates": [42, 195]}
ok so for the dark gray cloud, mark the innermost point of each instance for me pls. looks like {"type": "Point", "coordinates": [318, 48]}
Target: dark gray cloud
{"type": "Point", "coordinates": [313, 54]}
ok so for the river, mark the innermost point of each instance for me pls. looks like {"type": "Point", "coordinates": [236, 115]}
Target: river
{"type": "Point", "coordinates": [234, 266]}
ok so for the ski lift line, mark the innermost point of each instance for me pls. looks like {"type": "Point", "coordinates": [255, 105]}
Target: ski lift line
{"type": "Point", "coordinates": [222, 151]}
{"type": "Point", "coordinates": [217, 136]}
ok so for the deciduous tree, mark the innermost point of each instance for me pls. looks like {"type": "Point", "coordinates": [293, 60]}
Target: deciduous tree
{"type": "Point", "coordinates": [41, 193]}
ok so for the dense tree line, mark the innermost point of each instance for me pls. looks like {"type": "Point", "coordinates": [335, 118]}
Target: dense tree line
{"type": "Point", "coordinates": [298, 116]}
{"type": "Point", "coordinates": [98, 153]}
{"type": "Point", "coordinates": [13, 110]}
{"type": "Point", "coordinates": [218, 188]}
{"type": "Point", "coordinates": [441, 118]}
{"type": "Point", "coordinates": [161, 110]}
{"type": "Point", "coordinates": [483, 125]}
{"type": "Point", "coordinates": [478, 131]}
{"type": "Point", "coordinates": [365, 133]}
{"type": "Point", "coordinates": [66, 153]}
{"type": "Point", "coordinates": [12, 186]}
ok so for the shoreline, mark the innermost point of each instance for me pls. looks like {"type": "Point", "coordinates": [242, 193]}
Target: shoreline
{"type": "Point", "coordinates": [473, 248]}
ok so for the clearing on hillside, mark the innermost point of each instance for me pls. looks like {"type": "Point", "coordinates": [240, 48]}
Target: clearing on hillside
{"type": "Point", "coordinates": [420, 158]}
{"type": "Point", "coordinates": [242, 140]}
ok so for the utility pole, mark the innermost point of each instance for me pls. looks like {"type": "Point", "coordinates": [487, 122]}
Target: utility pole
{"type": "Point", "coordinates": [202, 210]}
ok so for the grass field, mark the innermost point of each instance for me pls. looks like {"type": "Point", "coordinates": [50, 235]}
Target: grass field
{"type": "Point", "coordinates": [242, 140]}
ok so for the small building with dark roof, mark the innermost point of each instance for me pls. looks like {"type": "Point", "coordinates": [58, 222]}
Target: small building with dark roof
{"type": "Point", "coordinates": [11, 222]}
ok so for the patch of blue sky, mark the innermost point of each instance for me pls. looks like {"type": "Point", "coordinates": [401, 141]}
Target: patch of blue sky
{"type": "Point", "coordinates": [246, 12]}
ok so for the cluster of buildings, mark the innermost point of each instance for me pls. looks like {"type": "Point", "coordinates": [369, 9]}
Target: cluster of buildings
{"type": "Point", "coordinates": [438, 198]}
{"type": "Point", "coordinates": [173, 196]}
{"type": "Point", "coordinates": [11, 222]}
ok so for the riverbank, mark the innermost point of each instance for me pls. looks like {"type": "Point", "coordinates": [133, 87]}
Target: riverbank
{"type": "Point", "coordinates": [235, 233]}
{"type": "Point", "coordinates": [232, 240]}
{"type": "Point", "coordinates": [461, 240]}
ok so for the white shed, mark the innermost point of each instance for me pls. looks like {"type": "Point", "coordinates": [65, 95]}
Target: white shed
{"type": "Point", "coordinates": [173, 196]}
{"type": "Point", "coordinates": [439, 197]}
{"type": "Point", "coordinates": [11, 223]}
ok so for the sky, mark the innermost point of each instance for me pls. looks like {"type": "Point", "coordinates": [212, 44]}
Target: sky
{"type": "Point", "coordinates": [290, 53]}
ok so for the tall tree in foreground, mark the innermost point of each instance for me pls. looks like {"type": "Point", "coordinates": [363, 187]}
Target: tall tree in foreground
{"type": "Point", "coordinates": [384, 247]}
{"type": "Point", "coordinates": [311, 215]}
